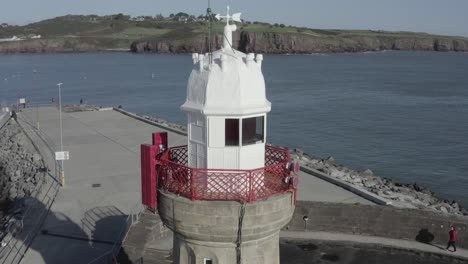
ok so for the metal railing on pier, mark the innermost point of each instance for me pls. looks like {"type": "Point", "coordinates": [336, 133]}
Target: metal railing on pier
{"type": "Point", "coordinates": [35, 207]}
{"type": "Point", "coordinates": [110, 256]}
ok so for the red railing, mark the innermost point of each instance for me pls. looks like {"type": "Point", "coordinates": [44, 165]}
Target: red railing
{"type": "Point", "coordinates": [224, 185]}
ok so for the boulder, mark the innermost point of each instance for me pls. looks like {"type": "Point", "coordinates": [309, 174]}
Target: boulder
{"type": "Point", "coordinates": [367, 172]}
{"type": "Point", "coordinates": [331, 160]}
{"type": "Point", "coordinates": [36, 158]}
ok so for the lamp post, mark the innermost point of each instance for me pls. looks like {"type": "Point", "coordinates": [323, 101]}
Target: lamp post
{"type": "Point", "coordinates": [62, 174]}
{"type": "Point", "coordinates": [37, 116]}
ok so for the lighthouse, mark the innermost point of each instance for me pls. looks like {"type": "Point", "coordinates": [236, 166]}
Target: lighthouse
{"type": "Point", "coordinates": [227, 194]}
{"type": "Point", "coordinates": [226, 108]}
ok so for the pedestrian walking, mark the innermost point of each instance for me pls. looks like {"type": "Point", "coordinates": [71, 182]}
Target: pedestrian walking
{"type": "Point", "coordinates": [452, 239]}
{"type": "Point", "coordinates": [81, 101]}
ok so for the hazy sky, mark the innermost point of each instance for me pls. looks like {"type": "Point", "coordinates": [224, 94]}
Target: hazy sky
{"type": "Point", "coordinates": [449, 17]}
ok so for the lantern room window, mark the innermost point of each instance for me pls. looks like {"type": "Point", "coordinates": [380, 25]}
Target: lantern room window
{"type": "Point", "coordinates": [232, 132]}
{"type": "Point", "coordinates": [253, 130]}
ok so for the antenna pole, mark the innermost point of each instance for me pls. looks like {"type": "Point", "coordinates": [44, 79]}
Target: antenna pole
{"type": "Point", "coordinates": [208, 12]}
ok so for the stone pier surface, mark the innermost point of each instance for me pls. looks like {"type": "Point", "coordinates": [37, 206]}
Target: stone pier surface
{"type": "Point", "coordinates": [102, 183]}
{"type": "Point", "coordinates": [103, 188]}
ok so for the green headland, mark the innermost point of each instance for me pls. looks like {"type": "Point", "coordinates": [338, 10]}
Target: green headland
{"type": "Point", "coordinates": [183, 33]}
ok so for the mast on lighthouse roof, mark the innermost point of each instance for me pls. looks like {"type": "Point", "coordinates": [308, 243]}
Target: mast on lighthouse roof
{"type": "Point", "coordinates": [228, 29]}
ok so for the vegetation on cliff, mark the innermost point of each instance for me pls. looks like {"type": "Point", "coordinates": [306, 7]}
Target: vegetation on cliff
{"type": "Point", "coordinates": [180, 33]}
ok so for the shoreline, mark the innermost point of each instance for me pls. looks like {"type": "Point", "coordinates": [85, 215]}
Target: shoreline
{"type": "Point", "coordinates": [125, 50]}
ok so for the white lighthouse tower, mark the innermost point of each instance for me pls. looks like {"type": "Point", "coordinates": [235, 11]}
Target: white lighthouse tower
{"type": "Point", "coordinates": [227, 108]}
{"type": "Point", "coordinates": [227, 194]}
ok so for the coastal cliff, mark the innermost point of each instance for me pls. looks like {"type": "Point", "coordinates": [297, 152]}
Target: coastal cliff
{"type": "Point", "coordinates": [301, 43]}
{"type": "Point", "coordinates": [178, 34]}
{"type": "Point", "coordinates": [48, 46]}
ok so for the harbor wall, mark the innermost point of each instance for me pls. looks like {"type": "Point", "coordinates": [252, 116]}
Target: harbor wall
{"type": "Point", "coordinates": [4, 117]}
{"type": "Point", "coordinates": [383, 221]}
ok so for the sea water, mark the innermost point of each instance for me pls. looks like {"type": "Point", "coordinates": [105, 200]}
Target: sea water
{"type": "Point", "coordinates": [404, 115]}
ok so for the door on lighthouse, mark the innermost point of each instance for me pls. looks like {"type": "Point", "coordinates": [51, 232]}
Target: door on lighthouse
{"type": "Point", "coordinates": [197, 141]}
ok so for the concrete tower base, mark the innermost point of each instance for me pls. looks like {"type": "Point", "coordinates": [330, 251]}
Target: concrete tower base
{"type": "Point", "coordinates": [209, 230]}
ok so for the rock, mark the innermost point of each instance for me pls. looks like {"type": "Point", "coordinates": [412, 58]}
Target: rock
{"type": "Point", "coordinates": [331, 160]}
{"type": "Point", "coordinates": [367, 172]}
{"type": "Point", "coordinates": [299, 151]}
{"type": "Point", "coordinates": [36, 158]}
{"type": "Point", "coordinates": [356, 180]}
{"type": "Point", "coordinates": [443, 209]}
{"type": "Point", "coordinates": [370, 183]}
{"type": "Point", "coordinates": [12, 192]}
{"type": "Point", "coordinates": [336, 172]}
{"type": "Point", "coordinates": [417, 187]}
{"type": "Point", "coordinates": [464, 211]}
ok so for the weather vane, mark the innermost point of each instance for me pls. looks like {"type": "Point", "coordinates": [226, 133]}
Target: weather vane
{"type": "Point", "coordinates": [234, 17]}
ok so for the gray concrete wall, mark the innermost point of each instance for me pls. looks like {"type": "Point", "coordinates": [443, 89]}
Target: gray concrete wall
{"type": "Point", "coordinates": [382, 221]}
{"type": "Point", "coordinates": [342, 252]}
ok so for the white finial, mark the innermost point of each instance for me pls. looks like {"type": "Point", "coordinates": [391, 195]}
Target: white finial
{"type": "Point", "coordinates": [201, 61]}
{"type": "Point", "coordinates": [250, 59]}
{"type": "Point", "coordinates": [227, 17]}
{"type": "Point", "coordinates": [228, 29]}
{"type": "Point", "coordinates": [259, 59]}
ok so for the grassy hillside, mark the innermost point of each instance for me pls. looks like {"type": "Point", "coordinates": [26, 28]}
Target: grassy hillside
{"type": "Point", "coordinates": [83, 33]}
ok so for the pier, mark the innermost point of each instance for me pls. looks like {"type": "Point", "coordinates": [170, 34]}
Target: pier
{"type": "Point", "coordinates": [102, 192]}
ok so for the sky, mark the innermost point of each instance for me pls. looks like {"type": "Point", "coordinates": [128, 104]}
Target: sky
{"type": "Point", "coordinates": [446, 17]}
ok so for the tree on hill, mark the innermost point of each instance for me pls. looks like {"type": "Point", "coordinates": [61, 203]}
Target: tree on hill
{"type": "Point", "coordinates": [159, 17]}
{"type": "Point", "coordinates": [182, 14]}
{"type": "Point", "coordinates": [121, 16]}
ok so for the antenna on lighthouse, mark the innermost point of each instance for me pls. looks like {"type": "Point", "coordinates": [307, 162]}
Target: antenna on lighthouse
{"type": "Point", "coordinates": [210, 28]}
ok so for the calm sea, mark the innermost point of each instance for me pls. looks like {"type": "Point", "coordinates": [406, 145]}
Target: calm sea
{"type": "Point", "coordinates": [402, 114]}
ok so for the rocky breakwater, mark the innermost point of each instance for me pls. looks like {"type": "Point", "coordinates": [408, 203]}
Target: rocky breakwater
{"type": "Point", "coordinates": [307, 42]}
{"type": "Point", "coordinates": [165, 123]}
{"type": "Point", "coordinates": [20, 167]}
{"type": "Point", "coordinates": [403, 195]}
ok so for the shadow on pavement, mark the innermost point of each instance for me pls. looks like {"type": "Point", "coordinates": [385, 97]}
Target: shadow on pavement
{"type": "Point", "coordinates": [62, 240]}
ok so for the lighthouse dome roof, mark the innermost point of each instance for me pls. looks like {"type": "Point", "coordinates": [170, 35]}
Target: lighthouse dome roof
{"type": "Point", "coordinates": [226, 82]}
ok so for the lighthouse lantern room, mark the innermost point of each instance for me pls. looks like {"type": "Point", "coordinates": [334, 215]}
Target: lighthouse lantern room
{"type": "Point", "coordinates": [226, 108]}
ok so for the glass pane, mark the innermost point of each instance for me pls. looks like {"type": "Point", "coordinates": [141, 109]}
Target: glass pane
{"type": "Point", "coordinates": [232, 132]}
{"type": "Point", "coordinates": [252, 130]}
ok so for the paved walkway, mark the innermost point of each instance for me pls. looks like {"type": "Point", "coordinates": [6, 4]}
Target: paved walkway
{"type": "Point", "coordinates": [312, 188]}
{"type": "Point", "coordinates": [394, 243]}
{"type": "Point", "coordinates": [103, 183]}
